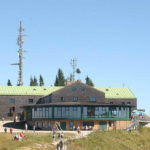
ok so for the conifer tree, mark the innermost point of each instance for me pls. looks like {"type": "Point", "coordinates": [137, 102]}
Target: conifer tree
{"type": "Point", "coordinates": [56, 81]}
{"type": "Point", "coordinates": [35, 81]}
{"type": "Point", "coordinates": [89, 81]}
{"type": "Point", "coordinates": [41, 81]}
{"type": "Point", "coordinates": [9, 83]}
{"type": "Point", "coordinates": [31, 81]}
{"type": "Point", "coordinates": [60, 79]}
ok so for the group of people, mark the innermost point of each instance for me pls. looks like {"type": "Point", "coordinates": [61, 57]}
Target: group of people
{"type": "Point", "coordinates": [19, 136]}
{"type": "Point", "coordinates": [74, 128]}
{"type": "Point", "coordinates": [59, 145]}
{"type": "Point", "coordinates": [10, 130]}
{"type": "Point", "coordinates": [88, 128]}
{"type": "Point", "coordinates": [60, 136]}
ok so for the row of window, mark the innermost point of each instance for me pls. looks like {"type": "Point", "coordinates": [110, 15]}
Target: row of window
{"type": "Point", "coordinates": [62, 99]}
{"type": "Point", "coordinates": [123, 103]}
{"type": "Point", "coordinates": [59, 112]}
{"type": "Point", "coordinates": [48, 124]}
{"type": "Point", "coordinates": [76, 112]}
{"type": "Point", "coordinates": [75, 99]}
{"type": "Point", "coordinates": [13, 101]}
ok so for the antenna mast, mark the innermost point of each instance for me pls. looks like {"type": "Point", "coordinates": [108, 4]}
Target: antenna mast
{"type": "Point", "coordinates": [73, 65]}
{"type": "Point", "coordinates": [20, 53]}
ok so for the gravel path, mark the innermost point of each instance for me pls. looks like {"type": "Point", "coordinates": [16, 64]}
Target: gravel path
{"type": "Point", "coordinates": [83, 134]}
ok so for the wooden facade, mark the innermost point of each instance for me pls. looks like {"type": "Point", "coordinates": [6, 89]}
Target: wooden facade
{"type": "Point", "coordinates": [83, 106]}
{"type": "Point", "coordinates": [74, 105]}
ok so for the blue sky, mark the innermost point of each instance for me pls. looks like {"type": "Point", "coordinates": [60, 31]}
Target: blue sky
{"type": "Point", "coordinates": [110, 40]}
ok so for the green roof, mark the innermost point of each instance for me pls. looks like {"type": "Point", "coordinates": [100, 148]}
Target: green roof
{"type": "Point", "coordinates": [27, 90]}
{"type": "Point", "coordinates": [110, 92]}
{"type": "Point", "coordinates": [116, 92]}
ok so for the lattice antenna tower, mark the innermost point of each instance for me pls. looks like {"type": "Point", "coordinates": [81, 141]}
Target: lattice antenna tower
{"type": "Point", "coordinates": [73, 65]}
{"type": "Point", "coordinates": [20, 54]}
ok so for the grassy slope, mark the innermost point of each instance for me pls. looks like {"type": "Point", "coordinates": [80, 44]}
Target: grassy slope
{"type": "Point", "coordinates": [31, 141]}
{"type": "Point", "coordinates": [114, 140]}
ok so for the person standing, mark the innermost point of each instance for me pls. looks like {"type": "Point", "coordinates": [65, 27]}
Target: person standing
{"type": "Point", "coordinates": [57, 146]}
{"type": "Point", "coordinates": [11, 130]}
{"type": "Point", "coordinates": [34, 128]}
{"type": "Point", "coordinates": [5, 130]}
{"type": "Point", "coordinates": [74, 128]}
{"type": "Point", "coordinates": [53, 138]}
{"type": "Point", "coordinates": [86, 127]}
{"type": "Point", "coordinates": [78, 130]}
{"type": "Point", "coordinates": [26, 126]}
{"type": "Point", "coordinates": [61, 145]}
{"type": "Point", "coordinates": [61, 135]}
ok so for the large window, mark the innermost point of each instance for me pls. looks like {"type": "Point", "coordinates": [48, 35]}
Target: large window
{"type": "Point", "coordinates": [128, 103]}
{"type": "Point", "coordinates": [74, 108]}
{"type": "Point", "coordinates": [40, 112]}
{"type": "Point", "coordinates": [71, 124]}
{"type": "Point", "coordinates": [11, 101]}
{"type": "Point", "coordinates": [48, 124]}
{"type": "Point", "coordinates": [30, 101]}
{"type": "Point", "coordinates": [74, 112]}
{"type": "Point", "coordinates": [62, 99]}
{"type": "Point", "coordinates": [92, 99]}
{"type": "Point", "coordinates": [75, 99]}
{"type": "Point", "coordinates": [46, 112]}
{"type": "Point", "coordinates": [91, 111]}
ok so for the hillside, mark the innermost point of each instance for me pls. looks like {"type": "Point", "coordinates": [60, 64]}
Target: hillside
{"type": "Point", "coordinates": [100, 140]}
{"type": "Point", "coordinates": [114, 140]}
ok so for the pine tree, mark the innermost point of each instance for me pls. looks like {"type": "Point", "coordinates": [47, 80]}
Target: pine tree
{"type": "Point", "coordinates": [89, 81]}
{"type": "Point", "coordinates": [41, 81]}
{"type": "Point", "coordinates": [56, 81]}
{"type": "Point", "coordinates": [60, 79]}
{"type": "Point", "coordinates": [35, 81]}
{"type": "Point", "coordinates": [9, 83]}
{"type": "Point", "coordinates": [31, 81]}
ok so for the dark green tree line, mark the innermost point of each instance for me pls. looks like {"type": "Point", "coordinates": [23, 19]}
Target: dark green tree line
{"type": "Point", "coordinates": [9, 83]}
{"type": "Point", "coordinates": [41, 81]}
{"type": "Point", "coordinates": [60, 79]}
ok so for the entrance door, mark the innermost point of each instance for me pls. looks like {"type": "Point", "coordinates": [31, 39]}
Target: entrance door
{"type": "Point", "coordinates": [103, 126]}
{"type": "Point", "coordinates": [63, 125]}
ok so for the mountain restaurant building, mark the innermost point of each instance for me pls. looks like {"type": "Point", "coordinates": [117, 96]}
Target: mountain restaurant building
{"type": "Point", "coordinates": [99, 108]}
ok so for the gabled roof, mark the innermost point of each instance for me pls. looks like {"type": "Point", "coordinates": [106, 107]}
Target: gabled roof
{"type": "Point", "coordinates": [110, 92]}
{"type": "Point", "coordinates": [116, 92]}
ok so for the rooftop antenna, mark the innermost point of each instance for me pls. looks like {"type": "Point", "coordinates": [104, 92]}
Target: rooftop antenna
{"type": "Point", "coordinates": [20, 53]}
{"type": "Point", "coordinates": [73, 65]}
